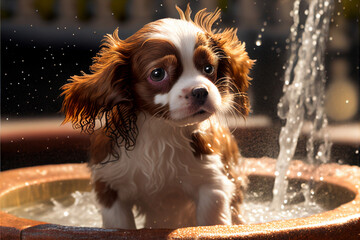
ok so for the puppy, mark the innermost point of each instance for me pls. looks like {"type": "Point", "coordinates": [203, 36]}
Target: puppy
{"type": "Point", "coordinates": [155, 105]}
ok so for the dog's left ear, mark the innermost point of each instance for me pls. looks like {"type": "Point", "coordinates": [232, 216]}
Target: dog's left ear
{"type": "Point", "coordinates": [104, 94]}
{"type": "Point", "coordinates": [234, 64]}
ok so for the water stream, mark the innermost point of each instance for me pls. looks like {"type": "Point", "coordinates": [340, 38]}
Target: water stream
{"type": "Point", "coordinates": [304, 92]}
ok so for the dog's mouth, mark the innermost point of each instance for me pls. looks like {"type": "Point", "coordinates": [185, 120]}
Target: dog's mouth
{"type": "Point", "coordinates": [192, 114]}
{"type": "Point", "coordinates": [201, 112]}
{"type": "Point", "coordinates": [195, 117]}
{"type": "Point", "coordinates": [200, 115]}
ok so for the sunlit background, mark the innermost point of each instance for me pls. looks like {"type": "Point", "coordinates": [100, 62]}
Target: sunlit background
{"type": "Point", "coordinates": [44, 42]}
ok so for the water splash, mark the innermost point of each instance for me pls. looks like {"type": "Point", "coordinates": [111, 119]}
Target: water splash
{"type": "Point", "coordinates": [78, 209]}
{"type": "Point", "coordinates": [304, 91]}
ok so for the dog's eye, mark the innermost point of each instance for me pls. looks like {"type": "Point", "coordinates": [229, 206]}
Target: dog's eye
{"type": "Point", "coordinates": [158, 74]}
{"type": "Point", "coordinates": [208, 69]}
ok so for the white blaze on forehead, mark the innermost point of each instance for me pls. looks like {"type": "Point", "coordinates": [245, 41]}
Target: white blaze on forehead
{"type": "Point", "coordinates": [181, 33]}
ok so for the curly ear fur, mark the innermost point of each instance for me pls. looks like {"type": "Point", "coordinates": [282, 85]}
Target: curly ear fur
{"type": "Point", "coordinates": [104, 94]}
{"type": "Point", "coordinates": [235, 64]}
{"type": "Point", "coordinates": [234, 60]}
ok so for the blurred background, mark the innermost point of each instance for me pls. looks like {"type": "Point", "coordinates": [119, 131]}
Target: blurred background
{"type": "Point", "coordinates": [44, 42]}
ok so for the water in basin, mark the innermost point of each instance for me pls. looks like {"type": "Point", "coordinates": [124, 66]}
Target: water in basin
{"type": "Point", "coordinates": [80, 209]}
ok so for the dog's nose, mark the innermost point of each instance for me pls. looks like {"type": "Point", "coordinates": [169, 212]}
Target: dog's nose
{"type": "Point", "coordinates": [200, 94]}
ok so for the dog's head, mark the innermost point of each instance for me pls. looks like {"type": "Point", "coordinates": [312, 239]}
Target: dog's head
{"type": "Point", "coordinates": [177, 69]}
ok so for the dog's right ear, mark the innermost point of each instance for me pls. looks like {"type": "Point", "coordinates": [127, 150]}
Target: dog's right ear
{"type": "Point", "coordinates": [104, 92]}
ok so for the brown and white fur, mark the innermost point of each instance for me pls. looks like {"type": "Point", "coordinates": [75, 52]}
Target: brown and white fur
{"type": "Point", "coordinates": [154, 104]}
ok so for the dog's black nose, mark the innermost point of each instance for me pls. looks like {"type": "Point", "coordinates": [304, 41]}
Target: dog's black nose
{"type": "Point", "coordinates": [200, 94]}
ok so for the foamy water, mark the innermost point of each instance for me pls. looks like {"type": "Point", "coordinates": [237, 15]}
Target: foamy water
{"type": "Point", "coordinates": [80, 209]}
{"type": "Point", "coordinates": [261, 212]}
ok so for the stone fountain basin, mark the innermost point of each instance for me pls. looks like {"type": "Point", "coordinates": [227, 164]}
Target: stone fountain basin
{"type": "Point", "coordinates": [38, 142]}
{"type": "Point", "coordinates": [338, 191]}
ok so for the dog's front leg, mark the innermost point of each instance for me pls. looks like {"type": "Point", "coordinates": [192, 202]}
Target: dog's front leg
{"type": "Point", "coordinates": [119, 215]}
{"type": "Point", "coordinates": [213, 207]}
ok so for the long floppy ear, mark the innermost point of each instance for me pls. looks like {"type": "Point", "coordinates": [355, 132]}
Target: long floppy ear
{"type": "Point", "coordinates": [235, 64]}
{"type": "Point", "coordinates": [104, 94]}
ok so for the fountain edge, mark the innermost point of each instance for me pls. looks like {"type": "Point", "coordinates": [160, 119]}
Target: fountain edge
{"type": "Point", "coordinates": [340, 223]}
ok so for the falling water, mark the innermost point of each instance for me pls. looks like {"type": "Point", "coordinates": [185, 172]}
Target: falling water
{"type": "Point", "coordinates": [304, 88]}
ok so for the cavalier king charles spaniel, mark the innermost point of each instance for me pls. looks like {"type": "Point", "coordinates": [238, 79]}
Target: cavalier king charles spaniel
{"type": "Point", "coordinates": [155, 105]}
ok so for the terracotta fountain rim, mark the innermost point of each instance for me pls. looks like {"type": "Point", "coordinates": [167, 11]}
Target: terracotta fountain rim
{"type": "Point", "coordinates": [339, 223]}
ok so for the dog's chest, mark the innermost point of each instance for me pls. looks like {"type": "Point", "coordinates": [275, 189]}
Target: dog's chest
{"type": "Point", "coordinates": [159, 162]}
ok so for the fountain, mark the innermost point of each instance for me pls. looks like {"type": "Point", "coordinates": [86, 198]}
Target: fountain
{"type": "Point", "coordinates": [339, 191]}
{"type": "Point", "coordinates": [304, 93]}
{"type": "Point", "coordinates": [335, 188]}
